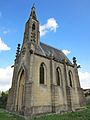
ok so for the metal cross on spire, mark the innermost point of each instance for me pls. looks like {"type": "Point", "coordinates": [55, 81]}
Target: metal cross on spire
{"type": "Point", "coordinates": [33, 7]}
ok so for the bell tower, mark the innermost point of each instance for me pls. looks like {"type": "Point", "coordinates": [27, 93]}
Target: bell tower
{"type": "Point", "coordinates": [32, 32]}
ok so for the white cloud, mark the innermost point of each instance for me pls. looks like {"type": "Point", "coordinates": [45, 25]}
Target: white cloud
{"type": "Point", "coordinates": [66, 52]}
{"type": "Point", "coordinates": [51, 25]}
{"type": "Point", "coordinates": [84, 79]}
{"type": "Point", "coordinates": [5, 78]}
{"type": "Point", "coordinates": [5, 32]}
{"type": "Point", "coordinates": [3, 46]}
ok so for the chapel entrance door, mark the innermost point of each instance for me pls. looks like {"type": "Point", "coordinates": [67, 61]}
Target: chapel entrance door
{"type": "Point", "coordinates": [21, 90]}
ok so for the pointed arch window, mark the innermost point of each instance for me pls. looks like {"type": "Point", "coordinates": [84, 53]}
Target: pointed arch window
{"type": "Point", "coordinates": [58, 76]}
{"type": "Point", "coordinates": [33, 26]}
{"type": "Point", "coordinates": [33, 35]}
{"type": "Point", "coordinates": [42, 74]}
{"type": "Point", "coordinates": [70, 78]}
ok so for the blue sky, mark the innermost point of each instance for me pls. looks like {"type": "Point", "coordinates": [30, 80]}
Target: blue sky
{"type": "Point", "coordinates": [72, 32]}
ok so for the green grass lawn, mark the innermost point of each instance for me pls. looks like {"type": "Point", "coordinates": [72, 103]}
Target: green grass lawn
{"type": "Point", "coordinates": [80, 115]}
{"type": "Point", "coordinates": [8, 116]}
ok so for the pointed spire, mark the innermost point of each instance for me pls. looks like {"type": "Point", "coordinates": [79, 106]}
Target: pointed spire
{"type": "Point", "coordinates": [17, 52]}
{"type": "Point", "coordinates": [33, 14]}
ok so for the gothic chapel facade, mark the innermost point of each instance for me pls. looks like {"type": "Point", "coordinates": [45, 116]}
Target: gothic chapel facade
{"type": "Point", "coordinates": [44, 80]}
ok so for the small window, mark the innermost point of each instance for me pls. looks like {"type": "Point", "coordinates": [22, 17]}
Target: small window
{"type": "Point", "coordinates": [58, 76]}
{"type": "Point", "coordinates": [42, 73]}
{"type": "Point", "coordinates": [70, 78]}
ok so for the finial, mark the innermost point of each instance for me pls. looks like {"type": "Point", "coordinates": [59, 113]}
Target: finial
{"type": "Point", "coordinates": [33, 14]}
{"type": "Point", "coordinates": [65, 61]}
{"type": "Point", "coordinates": [17, 53]}
{"type": "Point", "coordinates": [34, 5]}
{"type": "Point", "coordinates": [74, 60]}
{"type": "Point", "coordinates": [18, 50]}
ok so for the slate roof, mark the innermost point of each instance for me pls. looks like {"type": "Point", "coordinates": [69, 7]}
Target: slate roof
{"type": "Point", "coordinates": [47, 51]}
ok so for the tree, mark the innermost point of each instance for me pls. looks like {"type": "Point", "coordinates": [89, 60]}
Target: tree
{"type": "Point", "coordinates": [3, 99]}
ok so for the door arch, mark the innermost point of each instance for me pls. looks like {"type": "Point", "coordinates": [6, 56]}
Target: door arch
{"type": "Point", "coordinates": [21, 89]}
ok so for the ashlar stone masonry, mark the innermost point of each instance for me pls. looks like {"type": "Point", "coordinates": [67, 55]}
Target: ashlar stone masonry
{"type": "Point", "coordinates": [44, 79]}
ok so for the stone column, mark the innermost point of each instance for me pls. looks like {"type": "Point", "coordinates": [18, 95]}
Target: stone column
{"type": "Point", "coordinates": [68, 95]}
{"type": "Point", "coordinates": [12, 91]}
{"type": "Point", "coordinates": [29, 87]}
{"type": "Point", "coordinates": [79, 90]}
{"type": "Point", "coordinates": [52, 85]}
{"type": "Point", "coordinates": [28, 97]}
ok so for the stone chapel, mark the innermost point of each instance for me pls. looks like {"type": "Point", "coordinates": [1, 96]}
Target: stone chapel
{"type": "Point", "coordinates": [44, 79]}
